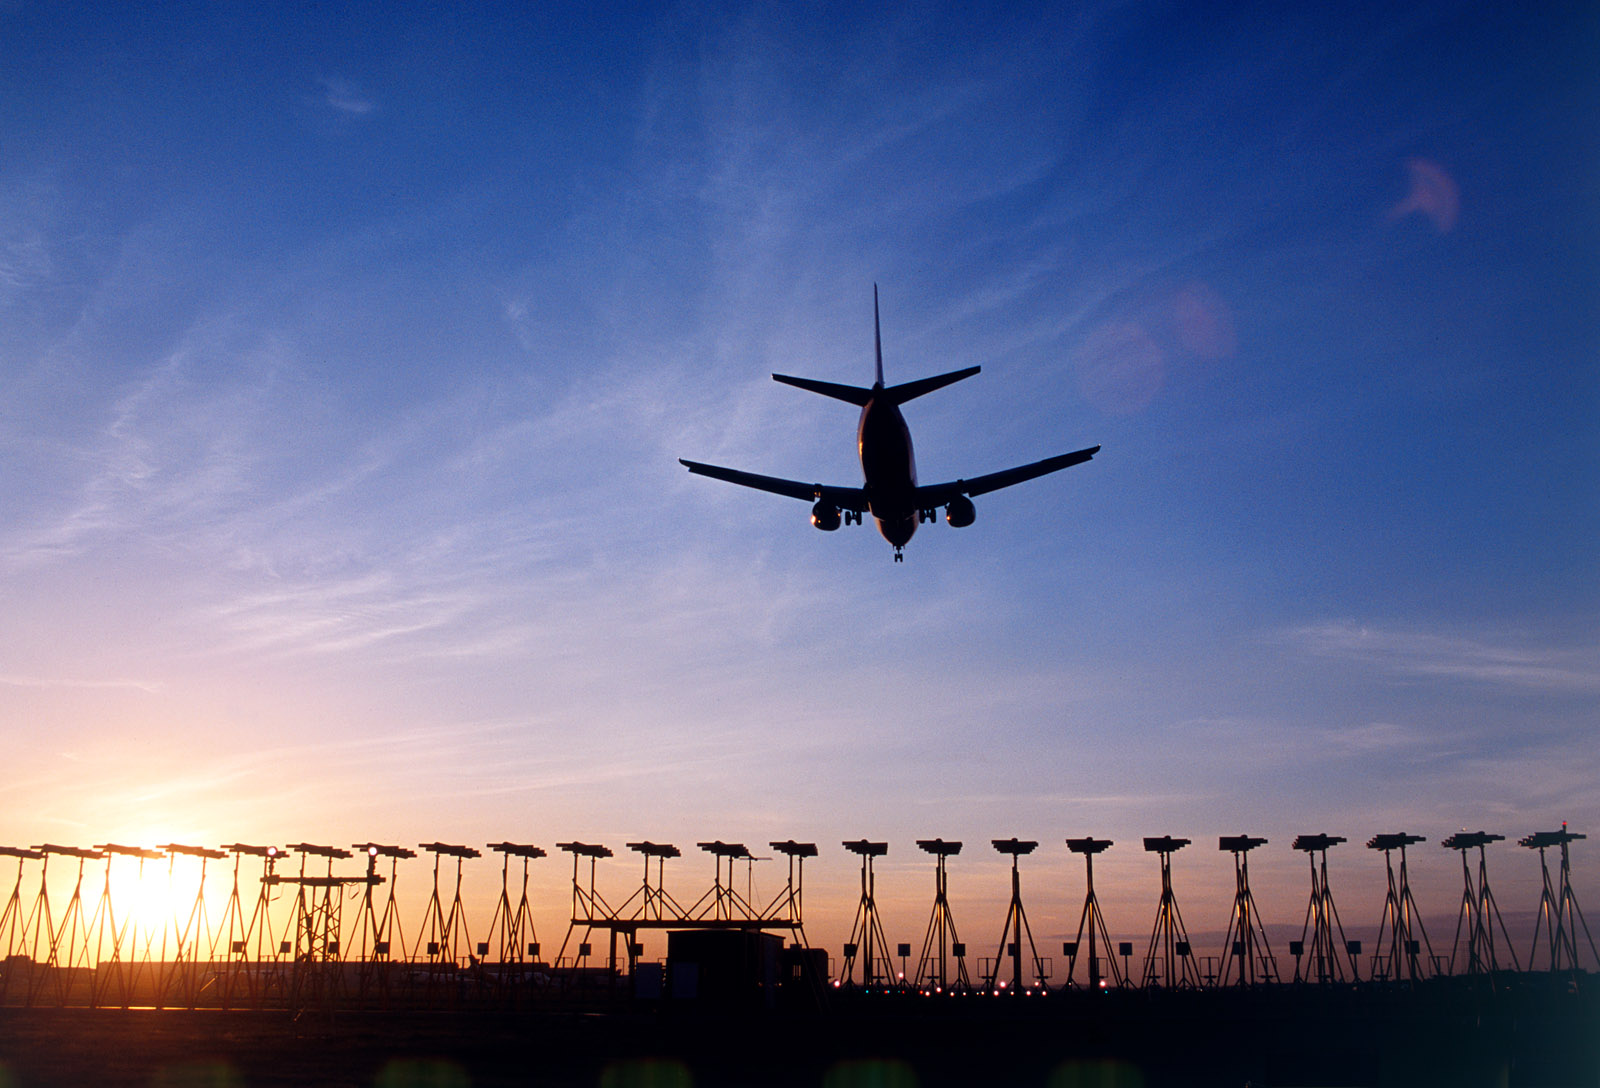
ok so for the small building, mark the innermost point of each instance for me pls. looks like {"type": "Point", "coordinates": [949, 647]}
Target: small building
{"type": "Point", "coordinates": [724, 967]}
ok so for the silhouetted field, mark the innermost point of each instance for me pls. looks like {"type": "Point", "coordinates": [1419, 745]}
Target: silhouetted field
{"type": "Point", "coordinates": [1530, 1036]}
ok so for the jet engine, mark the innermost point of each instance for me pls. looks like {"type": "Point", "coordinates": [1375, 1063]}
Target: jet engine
{"type": "Point", "coordinates": [826, 517]}
{"type": "Point", "coordinates": [960, 512]}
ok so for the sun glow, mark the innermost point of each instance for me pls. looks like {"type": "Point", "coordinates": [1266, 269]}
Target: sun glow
{"type": "Point", "coordinates": [141, 904]}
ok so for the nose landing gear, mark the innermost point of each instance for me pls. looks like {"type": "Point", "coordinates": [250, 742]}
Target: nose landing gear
{"type": "Point", "coordinates": [898, 556]}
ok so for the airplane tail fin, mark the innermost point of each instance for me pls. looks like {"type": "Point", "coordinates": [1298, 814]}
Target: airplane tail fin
{"type": "Point", "coordinates": [897, 394]}
{"type": "Point", "coordinates": [877, 335]}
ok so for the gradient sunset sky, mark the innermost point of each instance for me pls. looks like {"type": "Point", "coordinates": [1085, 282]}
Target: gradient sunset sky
{"type": "Point", "coordinates": [349, 351]}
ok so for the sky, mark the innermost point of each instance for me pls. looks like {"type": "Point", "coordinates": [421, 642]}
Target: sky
{"type": "Point", "coordinates": [349, 352]}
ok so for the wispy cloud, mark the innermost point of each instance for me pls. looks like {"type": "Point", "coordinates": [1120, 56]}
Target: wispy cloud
{"type": "Point", "coordinates": [1426, 654]}
{"type": "Point", "coordinates": [346, 97]}
{"type": "Point", "coordinates": [26, 219]}
{"type": "Point", "coordinates": [148, 686]}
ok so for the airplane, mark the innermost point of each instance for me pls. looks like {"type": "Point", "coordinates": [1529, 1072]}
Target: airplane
{"type": "Point", "coordinates": [889, 491]}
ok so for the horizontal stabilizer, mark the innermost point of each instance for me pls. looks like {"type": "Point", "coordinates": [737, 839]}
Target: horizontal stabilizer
{"type": "Point", "coordinates": [905, 391]}
{"type": "Point", "coordinates": [852, 393]}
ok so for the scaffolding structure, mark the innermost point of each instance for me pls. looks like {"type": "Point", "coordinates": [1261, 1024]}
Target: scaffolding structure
{"type": "Point", "coordinates": [1559, 916]}
{"type": "Point", "coordinates": [1091, 923]}
{"type": "Point", "coordinates": [1169, 961]}
{"type": "Point", "coordinates": [1401, 958]}
{"type": "Point", "coordinates": [941, 941]}
{"type": "Point", "coordinates": [1480, 914]}
{"type": "Point", "coordinates": [1328, 957]}
{"type": "Point", "coordinates": [316, 977]}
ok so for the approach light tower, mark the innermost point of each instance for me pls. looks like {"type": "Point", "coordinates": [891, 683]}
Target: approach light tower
{"type": "Point", "coordinates": [1479, 913]}
{"type": "Point", "coordinates": [789, 904]}
{"type": "Point", "coordinates": [1246, 940]}
{"type": "Point", "coordinates": [12, 924]}
{"type": "Point", "coordinates": [941, 941]}
{"type": "Point", "coordinates": [1169, 960]}
{"type": "Point", "coordinates": [1559, 915]}
{"type": "Point", "coordinates": [1322, 919]}
{"type": "Point", "coordinates": [378, 930]}
{"type": "Point", "coordinates": [448, 936]}
{"type": "Point", "coordinates": [1403, 957]}
{"type": "Point", "coordinates": [1091, 921]}
{"type": "Point", "coordinates": [1016, 927]}
{"type": "Point", "coordinates": [588, 908]}
{"type": "Point", "coordinates": [866, 932]}
{"type": "Point", "coordinates": [111, 970]}
{"type": "Point", "coordinates": [511, 937]}
{"type": "Point", "coordinates": [654, 903]}
{"type": "Point", "coordinates": [723, 903]}
{"type": "Point", "coordinates": [72, 924]}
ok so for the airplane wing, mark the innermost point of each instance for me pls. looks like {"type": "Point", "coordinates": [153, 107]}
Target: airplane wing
{"type": "Point", "coordinates": [939, 494]}
{"type": "Point", "coordinates": [846, 498]}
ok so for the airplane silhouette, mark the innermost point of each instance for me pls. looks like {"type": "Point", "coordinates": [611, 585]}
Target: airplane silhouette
{"type": "Point", "coordinates": [889, 491]}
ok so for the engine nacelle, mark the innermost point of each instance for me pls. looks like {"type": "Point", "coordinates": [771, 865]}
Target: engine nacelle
{"type": "Point", "coordinates": [825, 517]}
{"type": "Point", "coordinates": [960, 512]}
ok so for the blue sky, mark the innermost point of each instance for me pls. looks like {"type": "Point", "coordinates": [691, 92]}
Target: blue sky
{"type": "Point", "coordinates": [349, 353]}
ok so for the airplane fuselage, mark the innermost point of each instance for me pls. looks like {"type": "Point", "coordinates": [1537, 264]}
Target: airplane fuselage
{"type": "Point", "coordinates": [888, 468]}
